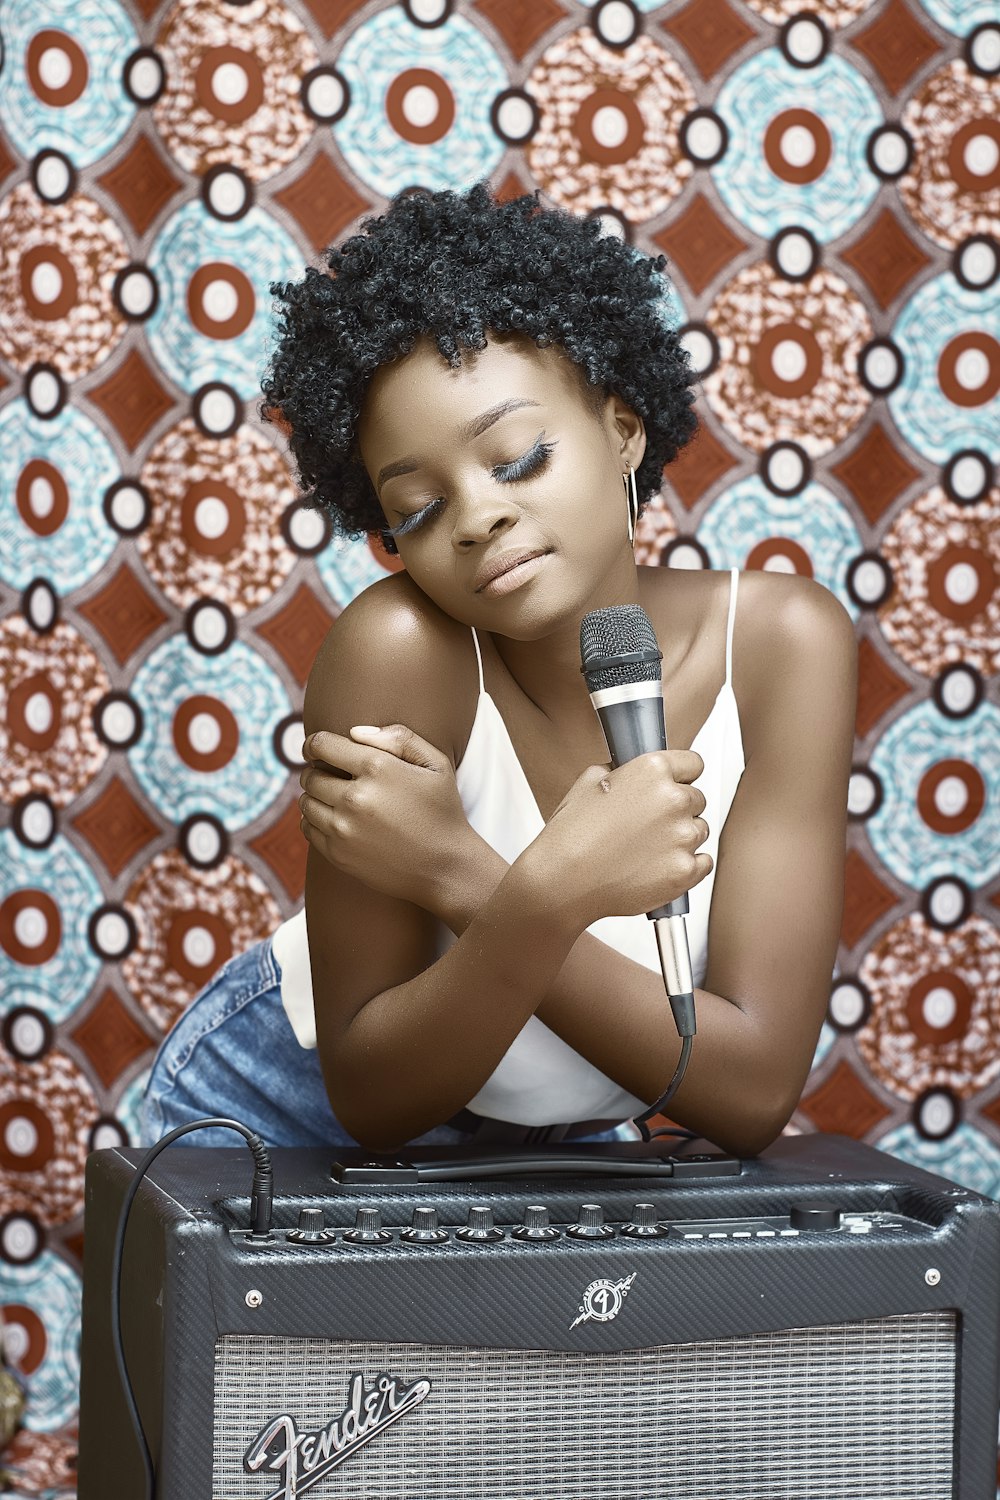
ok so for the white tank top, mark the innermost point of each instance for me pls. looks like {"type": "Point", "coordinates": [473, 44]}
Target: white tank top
{"type": "Point", "coordinates": [540, 1079]}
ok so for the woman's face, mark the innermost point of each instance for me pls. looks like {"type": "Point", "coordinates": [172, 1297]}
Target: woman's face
{"type": "Point", "coordinates": [505, 477]}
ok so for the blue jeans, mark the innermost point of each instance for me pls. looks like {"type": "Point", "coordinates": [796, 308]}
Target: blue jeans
{"type": "Point", "coordinates": [233, 1052]}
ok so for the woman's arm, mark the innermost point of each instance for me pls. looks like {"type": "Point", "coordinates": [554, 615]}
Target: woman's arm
{"type": "Point", "coordinates": [776, 903]}
{"type": "Point", "coordinates": [406, 1038]}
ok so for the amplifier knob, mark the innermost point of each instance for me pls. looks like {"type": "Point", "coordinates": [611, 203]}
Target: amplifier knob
{"type": "Point", "coordinates": [367, 1229]}
{"type": "Point", "coordinates": [536, 1224]}
{"type": "Point", "coordinates": [814, 1216]}
{"type": "Point", "coordinates": [424, 1230]}
{"type": "Point", "coordinates": [644, 1225]}
{"type": "Point", "coordinates": [591, 1225]}
{"type": "Point", "coordinates": [480, 1228]}
{"type": "Point", "coordinates": [311, 1229]}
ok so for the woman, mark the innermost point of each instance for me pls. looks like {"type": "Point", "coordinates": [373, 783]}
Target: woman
{"type": "Point", "coordinates": [495, 389]}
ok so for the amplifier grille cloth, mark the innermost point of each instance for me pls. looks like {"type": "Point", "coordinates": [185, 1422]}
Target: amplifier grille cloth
{"type": "Point", "coordinates": [832, 1413]}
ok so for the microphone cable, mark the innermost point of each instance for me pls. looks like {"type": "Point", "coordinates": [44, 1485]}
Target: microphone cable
{"type": "Point", "coordinates": [261, 1196]}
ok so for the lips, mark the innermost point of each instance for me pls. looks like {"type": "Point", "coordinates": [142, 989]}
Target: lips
{"type": "Point", "coordinates": [495, 567]}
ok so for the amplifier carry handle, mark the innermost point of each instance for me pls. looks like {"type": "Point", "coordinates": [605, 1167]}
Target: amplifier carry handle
{"type": "Point", "coordinates": [358, 1168]}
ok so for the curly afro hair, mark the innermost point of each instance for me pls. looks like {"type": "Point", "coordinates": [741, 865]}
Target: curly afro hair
{"type": "Point", "coordinates": [456, 267]}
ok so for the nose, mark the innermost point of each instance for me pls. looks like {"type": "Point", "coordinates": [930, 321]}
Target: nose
{"type": "Point", "coordinates": [481, 515]}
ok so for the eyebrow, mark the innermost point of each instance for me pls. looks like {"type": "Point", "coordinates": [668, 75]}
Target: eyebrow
{"type": "Point", "coordinates": [473, 429]}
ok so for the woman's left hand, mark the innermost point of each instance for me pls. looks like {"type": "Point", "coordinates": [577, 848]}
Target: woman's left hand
{"type": "Point", "coordinates": [383, 806]}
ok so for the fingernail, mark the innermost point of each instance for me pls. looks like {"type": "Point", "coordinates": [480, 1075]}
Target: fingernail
{"type": "Point", "coordinates": [307, 745]}
{"type": "Point", "coordinates": [365, 729]}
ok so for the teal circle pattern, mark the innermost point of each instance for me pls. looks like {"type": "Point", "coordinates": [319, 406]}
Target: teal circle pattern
{"type": "Point", "coordinates": [388, 44]}
{"type": "Point", "coordinates": [240, 790]}
{"type": "Point", "coordinates": [255, 245]}
{"type": "Point", "coordinates": [346, 567]}
{"type": "Point", "coordinates": [93, 124]}
{"type": "Point", "coordinates": [918, 740]}
{"type": "Point", "coordinates": [748, 513]}
{"type": "Point", "coordinates": [966, 1156]}
{"type": "Point", "coordinates": [81, 546]}
{"type": "Point", "coordinates": [961, 16]}
{"type": "Point", "coordinates": [54, 1293]}
{"type": "Point", "coordinates": [56, 986]}
{"type": "Point", "coordinates": [938, 312]}
{"type": "Point", "coordinates": [762, 88]}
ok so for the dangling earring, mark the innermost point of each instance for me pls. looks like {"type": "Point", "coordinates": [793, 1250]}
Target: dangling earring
{"type": "Point", "coordinates": [631, 503]}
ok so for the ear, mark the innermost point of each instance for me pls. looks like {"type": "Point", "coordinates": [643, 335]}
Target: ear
{"type": "Point", "coordinates": [627, 432]}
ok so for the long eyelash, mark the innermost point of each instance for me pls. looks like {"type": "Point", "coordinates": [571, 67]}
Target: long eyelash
{"type": "Point", "coordinates": [410, 523]}
{"type": "Point", "coordinates": [528, 463]}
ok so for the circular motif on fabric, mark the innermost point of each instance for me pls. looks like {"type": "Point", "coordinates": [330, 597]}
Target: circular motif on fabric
{"type": "Point", "coordinates": [51, 528]}
{"type": "Point", "coordinates": [44, 1119]}
{"type": "Point", "coordinates": [785, 468]}
{"type": "Point", "coordinates": [950, 189]}
{"type": "Point", "coordinates": [804, 40]}
{"type": "Point", "coordinates": [789, 165]}
{"type": "Point", "coordinates": [797, 145]}
{"type": "Point", "coordinates": [118, 721]}
{"type": "Point", "coordinates": [203, 840]}
{"type": "Point", "coordinates": [210, 627]}
{"type": "Point", "coordinates": [47, 742]}
{"type": "Point", "coordinates": [949, 396]}
{"type": "Point", "coordinates": [46, 962]}
{"type": "Point", "coordinates": [190, 920]}
{"type": "Point", "coordinates": [966, 1155]}
{"type": "Point", "coordinates": [212, 321]}
{"type": "Point", "coordinates": [982, 44]}
{"type": "Point", "coordinates": [685, 552]}
{"type": "Point", "coordinates": [126, 507]}
{"type": "Point", "coordinates": [55, 282]}
{"type": "Point", "coordinates": [902, 833]}
{"type": "Point", "coordinates": [976, 262]}
{"type": "Point", "coordinates": [889, 152]}
{"type": "Point", "coordinates": [420, 102]}
{"type": "Point", "coordinates": [220, 300]}
{"type": "Point", "coordinates": [325, 95]}
{"type": "Point", "coordinates": [111, 932]}
{"type": "Point", "coordinates": [227, 193]}
{"type": "Point", "coordinates": [46, 1297]}
{"type": "Point", "coordinates": [287, 741]}
{"type": "Point", "coordinates": [40, 606]}
{"type": "Point", "coordinates": [228, 104]}
{"type": "Point", "coordinates": [864, 794]}
{"type": "Point", "coordinates": [217, 410]}
{"type": "Point", "coordinates": [206, 735]}
{"type": "Point", "coordinates": [809, 533]}
{"type": "Point", "coordinates": [22, 1239]}
{"type": "Point", "coordinates": [514, 116]}
{"type": "Point", "coordinates": [53, 176]}
{"type": "Point", "coordinates": [946, 903]}
{"type": "Point", "coordinates": [787, 356]}
{"type": "Point", "coordinates": [144, 76]}
{"type": "Point", "coordinates": [201, 768]}
{"type": "Point", "coordinates": [849, 1006]}
{"type": "Point", "coordinates": [610, 125]}
{"type": "Point", "coordinates": [958, 690]}
{"type": "Point", "coordinates": [616, 23]}
{"type": "Point", "coordinates": [936, 1008]}
{"type": "Point", "coordinates": [968, 476]}
{"type": "Point", "coordinates": [655, 529]}
{"type": "Point", "coordinates": [135, 292]}
{"type": "Point", "coordinates": [945, 559]}
{"type": "Point", "coordinates": [212, 532]}
{"type": "Point", "coordinates": [420, 106]}
{"type": "Point", "coordinates": [34, 821]}
{"type": "Point", "coordinates": [66, 96]}
{"type": "Point", "coordinates": [704, 137]}
{"type": "Point", "coordinates": [794, 254]}
{"type": "Point", "coordinates": [27, 1033]}
{"type": "Point", "coordinates": [701, 347]}
{"type": "Point", "coordinates": [306, 529]}
{"type": "Point", "coordinates": [428, 13]}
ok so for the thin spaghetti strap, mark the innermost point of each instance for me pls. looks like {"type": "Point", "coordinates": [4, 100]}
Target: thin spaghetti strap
{"type": "Point", "coordinates": [734, 579]}
{"type": "Point", "coordinates": [479, 658]}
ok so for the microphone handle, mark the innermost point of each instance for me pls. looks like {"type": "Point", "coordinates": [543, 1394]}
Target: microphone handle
{"type": "Point", "coordinates": [634, 726]}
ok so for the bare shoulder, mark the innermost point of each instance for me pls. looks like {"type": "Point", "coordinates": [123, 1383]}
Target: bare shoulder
{"type": "Point", "coordinates": [794, 656]}
{"type": "Point", "coordinates": [393, 657]}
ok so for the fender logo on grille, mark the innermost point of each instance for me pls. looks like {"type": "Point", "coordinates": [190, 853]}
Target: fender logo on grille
{"type": "Point", "coordinates": [304, 1458]}
{"type": "Point", "coordinates": [603, 1300]}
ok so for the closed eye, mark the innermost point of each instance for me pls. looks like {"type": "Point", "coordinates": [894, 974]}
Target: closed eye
{"type": "Point", "coordinates": [410, 523]}
{"type": "Point", "coordinates": [529, 463]}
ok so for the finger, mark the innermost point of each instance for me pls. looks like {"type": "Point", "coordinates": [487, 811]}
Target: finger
{"type": "Point", "coordinates": [333, 751]}
{"type": "Point", "coordinates": [401, 741]}
{"type": "Point", "coordinates": [685, 765]}
{"type": "Point", "coordinates": [702, 830]}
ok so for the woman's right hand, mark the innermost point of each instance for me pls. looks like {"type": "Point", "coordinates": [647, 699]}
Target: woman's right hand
{"type": "Point", "coordinates": [625, 841]}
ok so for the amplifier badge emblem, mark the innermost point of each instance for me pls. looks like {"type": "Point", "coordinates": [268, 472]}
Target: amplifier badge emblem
{"type": "Point", "coordinates": [603, 1300]}
{"type": "Point", "coordinates": [304, 1458]}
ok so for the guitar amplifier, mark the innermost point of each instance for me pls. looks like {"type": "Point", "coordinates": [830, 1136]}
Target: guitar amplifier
{"type": "Point", "coordinates": [595, 1322]}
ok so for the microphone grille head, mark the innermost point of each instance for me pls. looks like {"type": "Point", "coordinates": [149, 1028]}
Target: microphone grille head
{"type": "Point", "coordinates": [622, 630]}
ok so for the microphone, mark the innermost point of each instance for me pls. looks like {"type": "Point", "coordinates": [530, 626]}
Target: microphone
{"type": "Point", "coordinates": [621, 667]}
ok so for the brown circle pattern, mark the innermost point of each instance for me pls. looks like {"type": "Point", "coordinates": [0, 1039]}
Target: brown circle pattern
{"type": "Point", "coordinates": [781, 163]}
{"type": "Point", "coordinates": [949, 377]}
{"type": "Point", "coordinates": [934, 545]}
{"type": "Point", "coordinates": [396, 100]}
{"type": "Point", "coordinates": [46, 927]}
{"type": "Point", "coordinates": [934, 805]}
{"type": "Point", "coordinates": [200, 298]}
{"type": "Point", "coordinates": [43, 519]}
{"type": "Point", "coordinates": [73, 58]}
{"type": "Point", "coordinates": [189, 921]}
{"type": "Point", "coordinates": [901, 971]}
{"type": "Point", "coordinates": [827, 326]}
{"type": "Point", "coordinates": [228, 104]}
{"type": "Point", "coordinates": [213, 529]}
{"type": "Point", "coordinates": [947, 200]}
{"type": "Point", "coordinates": [45, 1118]}
{"type": "Point", "coordinates": [71, 679]}
{"type": "Point", "coordinates": [224, 732]}
{"type": "Point", "coordinates": [564, 154]}
{"type": "Point", "coordinates": [56, 275]}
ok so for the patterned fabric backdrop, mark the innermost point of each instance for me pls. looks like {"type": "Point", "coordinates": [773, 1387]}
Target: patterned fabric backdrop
{"type": "Point", "coordinates": [826, 187]}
